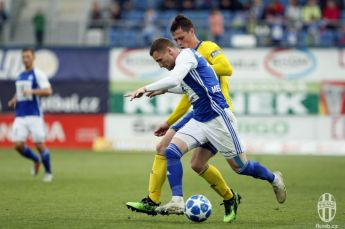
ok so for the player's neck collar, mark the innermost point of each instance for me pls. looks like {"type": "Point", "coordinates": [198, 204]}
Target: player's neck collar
{"type": "Point", "coordinates": [196, 48]}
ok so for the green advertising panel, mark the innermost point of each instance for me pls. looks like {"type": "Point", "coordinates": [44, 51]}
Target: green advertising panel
{"type": "Point", "coordinates": [245, 103]}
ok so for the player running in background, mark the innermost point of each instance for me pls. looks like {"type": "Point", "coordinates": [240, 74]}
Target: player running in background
{"type": "Point", "coordinates": [30, 85]}
{"type": "Point", "coordinates": [212, 120]}
{"type": "Point", "coordinates": [183, 32]}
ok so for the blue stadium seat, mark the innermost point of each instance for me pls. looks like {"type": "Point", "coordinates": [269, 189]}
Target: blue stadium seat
{"type": "Point", "coordinates": [327, 38]}
{"type": "Point", "coordinates": [228, 16]}
{"type": "Point", "coordinates": [135, 17]}
{"type": "Point", "coordinates": [342, 16]}
{"type": "Point", "coordinates": [140, 4]}
{"type": "Point", "coordinates": [196, 14]}
{"type": "Point", "coordinates": [129, 39]}
{"type": "Point", "coordinates": [115, 36]}
{"type": "Point", "coordinates": [124, 37]}
{"type": "Point", "coordinates": [167, 16]}
{"type": "Point", "coordinates": [302, 38]}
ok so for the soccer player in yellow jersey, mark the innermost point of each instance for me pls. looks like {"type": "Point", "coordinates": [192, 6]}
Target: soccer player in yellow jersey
{"type": "Point", "coordinates": [183, 32]}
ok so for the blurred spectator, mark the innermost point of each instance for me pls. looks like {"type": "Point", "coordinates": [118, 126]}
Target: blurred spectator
{"type": "Point", "coordinates": [254, 24]}
{"type": "Point", "coordinates": [39, 21]}
{"type": "Point", "coordinates": [232, 5]}
{"type": "Point", "coordinates": [293, 14]}
{"type": "Point", "coordinates": [187, 5]}
{"type": "Point", "coordinates": [274, 8]}
{"type": "Point", "coordinates": [257, 10]}
{"type": "Point", "coordinates": [274, 17]}
{"type": "Point", "coordinates": [216, 24]}
{"type": "Point", "coordinates": [331, 15]}
{"type": "Point", "coordinates": [205, 4]}
{"type": "Point", "coordinates": [169, 5]}
{"type": "Point", "coordinates": [150, 31]}
{"type": "Point", "coordinates": [311, 16]}
{"type": "Point", "coordinates": [330, 19]}
{"type": "Point", "coordinates": [293, 17]}
{"type": "Point", "coordinates": [3, 19]}
{"type": "Point", "coordinates": [96, 17]}
{"type": "Point", "coordinates": [127, 5]}
{"type": "Point", "coordinates": [115, 14]}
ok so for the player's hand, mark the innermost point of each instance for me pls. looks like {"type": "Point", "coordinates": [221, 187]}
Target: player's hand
{"type": "Point", "coordinates": [136, 94]}
{"type": "Point", "coordinates": [161, 129]}
{"type": "Point", "coordinates": [27, 92]}
{"type": "Point", "coordinates": [152, 94]}
{"type": "Point", "coordinates": [12, 103]}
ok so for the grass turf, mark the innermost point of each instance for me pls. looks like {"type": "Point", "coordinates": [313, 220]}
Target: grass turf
{"type": "Point", "coordinates": [90, 191]}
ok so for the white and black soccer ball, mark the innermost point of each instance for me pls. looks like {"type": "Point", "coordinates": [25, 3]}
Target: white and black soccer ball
{"type": "Point", "coordinates": [198, 208]}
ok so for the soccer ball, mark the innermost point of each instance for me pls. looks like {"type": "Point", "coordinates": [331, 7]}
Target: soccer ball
{"type": "Point", "coordinates": [198, 208]}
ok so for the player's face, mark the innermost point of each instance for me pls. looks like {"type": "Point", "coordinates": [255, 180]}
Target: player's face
{"type": "Point", "coordinates": [184, 39]}
{"type": "Point", "coordinates": [28, 59]}
{"type": "Point", "coordinates": [165, 59]}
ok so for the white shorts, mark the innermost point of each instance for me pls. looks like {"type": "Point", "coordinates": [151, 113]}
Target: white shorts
{"type": "Point", "coordinates": [23, 126]}
{"type": "Point", "coordinates": [221, 132]}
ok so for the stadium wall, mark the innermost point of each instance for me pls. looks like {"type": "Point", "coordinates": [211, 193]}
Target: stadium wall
{"type": "Point", "coordinates": [286, 100]}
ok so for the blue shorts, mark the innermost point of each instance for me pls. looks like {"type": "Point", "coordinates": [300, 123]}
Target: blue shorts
{"type": "Point", "coordinates": [183, 122]}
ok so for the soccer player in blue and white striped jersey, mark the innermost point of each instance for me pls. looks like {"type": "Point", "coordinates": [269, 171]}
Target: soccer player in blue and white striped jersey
{"type": "Point", "coordinates": [30, 85]}
{"type": "Point", "coordinates": [212, 120]}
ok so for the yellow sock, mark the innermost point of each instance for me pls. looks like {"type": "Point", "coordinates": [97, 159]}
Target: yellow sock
{"type": "Point", "coordinates": [217, 182]}
{"type": "Point", "coordinates": [157, 178]}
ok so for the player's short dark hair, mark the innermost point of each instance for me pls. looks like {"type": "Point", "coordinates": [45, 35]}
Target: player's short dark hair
{"type": "Point", "coordinates": [181, 21]}
{"type": "Point", "coordinates": [28, 49]}
{"type": "Point", "coordinates": [160, 44]}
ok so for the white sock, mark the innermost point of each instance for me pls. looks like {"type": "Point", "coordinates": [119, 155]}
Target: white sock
{"type": "Point", "coordinates": [275, 180]}
{"type": "Point", "coordinates": [177, 199]}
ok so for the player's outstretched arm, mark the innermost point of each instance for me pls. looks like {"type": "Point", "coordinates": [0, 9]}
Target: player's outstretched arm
{"type": "Point", "coordinates": [136, 94]}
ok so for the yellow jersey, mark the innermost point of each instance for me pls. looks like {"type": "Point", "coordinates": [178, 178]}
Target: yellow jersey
{"type": "Point", "coordinates": [222, 67]}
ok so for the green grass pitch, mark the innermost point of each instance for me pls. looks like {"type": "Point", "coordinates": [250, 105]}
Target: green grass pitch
{"type": "Point", "coordinates": [90, 190]}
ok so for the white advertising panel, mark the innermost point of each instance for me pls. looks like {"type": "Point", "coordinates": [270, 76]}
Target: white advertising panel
{"type": "Point", "coordinates": [254, 64]}
{"type": "Point", "coordinates": [273, 135]}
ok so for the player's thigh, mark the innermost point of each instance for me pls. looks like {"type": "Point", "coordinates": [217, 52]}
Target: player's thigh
{"type": "Point", "coordinates": [163, 144]}
{"type": "Point", "coordinates": [191, 134]}
{"type": "Point", "coordinates": [20, 130]}
{"type": "Point", "coordinates": [37, 129]}
{"type": "Point", "coordinates": [223, 135]}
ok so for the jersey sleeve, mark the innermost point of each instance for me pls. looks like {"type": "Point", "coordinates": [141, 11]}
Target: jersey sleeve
{"type": "Point", "coordinates": [224, 86]}
{"type": "Point", "coordinates": [218, 60]}
{"type": "Point", "coordinates": [184, 62]}
{"type": "Point", "coordinates": [42, 79]}
{"type": "Point", "coordinates": [182, 108]}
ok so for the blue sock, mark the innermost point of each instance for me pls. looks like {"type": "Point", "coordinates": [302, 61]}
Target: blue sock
{"type": "Point", "coordinates": [256, 170]}
{"type": "Point", "coordinates": [27, 152]}
{"type": "Point", "coordinates": [45, 156]}
{"type": "Point", "coordinates": [174, 169]}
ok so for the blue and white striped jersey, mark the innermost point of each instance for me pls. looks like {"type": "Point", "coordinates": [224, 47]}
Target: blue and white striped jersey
{"type": "Point", "coordinates": [29, 105]}
{"type": "Point", "coordinates": [202, 86]}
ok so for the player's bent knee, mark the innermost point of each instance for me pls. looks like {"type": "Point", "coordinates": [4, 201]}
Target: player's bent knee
{"type": "Point", "coordinates": [161, 148]}
{"type": "Point", "coordinates": [197, 167]}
